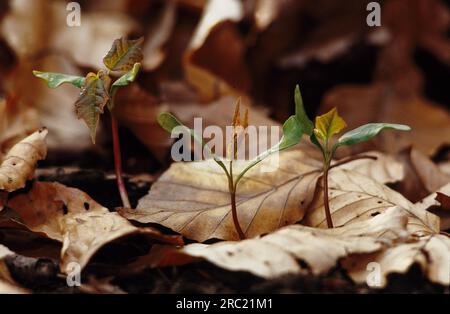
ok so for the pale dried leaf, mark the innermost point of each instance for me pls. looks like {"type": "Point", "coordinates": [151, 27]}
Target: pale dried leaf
{"type": "Point", "coordinates": [355, 197]}
{"type": "Point", "coordinates": [70, 216]}
{"type": "Point", "coordinates": [431, 253]}
{"type": "Point", "coordinates": [18, 165]}
{"type": "Point", "coordinates": [279, 253]}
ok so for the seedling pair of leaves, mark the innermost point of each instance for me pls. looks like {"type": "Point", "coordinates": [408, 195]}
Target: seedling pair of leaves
{"type": "Point", "coordinates": [294, 128]}
{"type": "Point", "coordinates": [98, 90]}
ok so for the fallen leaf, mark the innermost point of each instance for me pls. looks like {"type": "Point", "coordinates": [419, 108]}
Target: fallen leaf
{"type": "Point", "coordinates": [279, 253]}
{"type": "Point", "coordinates": [193, 199]}
{"type": "Point", "coordinates": [18, 165]}
{"type": "Point", "coordinates": [158, 35]}
{"type": "Point", "coordinates": [431, 253]}
{"type": "Point", "coordinates": [355, 197]}
{"type": "Point", "coordinates": [214, 62]}
{"type": "Point", "coordinates": [70, 216]}
{"type": "Point", "coordinates": [429, 123]}
{"type": "Point", "coordinates": [422, 176]}
{"type": "Point", "coordinates": [7, 284]}
{"type": "Point", "coordinates": [437, 203]}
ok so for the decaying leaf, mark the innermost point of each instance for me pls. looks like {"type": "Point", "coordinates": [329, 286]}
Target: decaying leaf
{"type": "Point", "coordinates": [92, 100]}
{"type": "Point", "coordinates": [70, 216]}
{"type": "Point", "coordinates": [215, 60]}
{"type": "Point", "coordinates": [355, 197]}
{"type": "Point", "coordinates": [439, 204]}
{"type": "Point", "coordinates": [7, 284]}
{"type": "Point", "coordinates": [431, 253]}
{"type": "Point", "coordinates": [422, 176]}
{"type": "Point", "coordinates": [18, 165]}
{"type": "Point", "coordinates": [192, 198]}
{"type": "Point", "coordinates": [124, 54]}
{"type": "Point", "coordinates": [279, 253]}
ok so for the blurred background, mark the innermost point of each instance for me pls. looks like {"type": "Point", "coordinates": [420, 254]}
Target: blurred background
{"type": "Point", "coordinates": [200, 55]}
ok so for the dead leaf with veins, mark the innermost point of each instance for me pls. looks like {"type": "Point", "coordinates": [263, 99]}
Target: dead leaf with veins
{"type": "Point", "coordinates": [192, 198]}
{"type": "Point", "coordinates": [279, 252]}
{"type": "Point", "coordinates": [70, 216]}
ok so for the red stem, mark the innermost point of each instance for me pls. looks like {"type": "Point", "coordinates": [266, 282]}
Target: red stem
{"type": "Point", "coordinates": [325, 197]}
{"type": "Point", "coordinates": [235, 217]}
{"type": "Point", "coordinates": [118, 163]}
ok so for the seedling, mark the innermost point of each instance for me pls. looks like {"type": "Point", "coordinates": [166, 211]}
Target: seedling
{"type": "Point", "coordinates": [331, 124]}
{"type": "Point", "coordinates": [122, 61]}
{"type": "Point", "coordinates": [293, 130]}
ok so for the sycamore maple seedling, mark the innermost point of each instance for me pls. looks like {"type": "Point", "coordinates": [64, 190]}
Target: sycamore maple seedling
{"type": "Point", "coordinates": [331, 124]}
{"type": "Point", "coordinates": [98, 90]}
{"type": "Point", "coordinates": [293, 130]}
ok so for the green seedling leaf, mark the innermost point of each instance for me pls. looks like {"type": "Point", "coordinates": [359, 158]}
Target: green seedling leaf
{"type": "Point", "coordinates": [305, 123]}
{"type": "Point", "coordinates": [92, 100]}
{"type": "Point", "coordinates": [367, 132]}
{"type": "Point", "coordinates": [328, 125]}
{"type": "Point", "coordinates": [128, 77]}
{"type": "Point", "coordinates": [54, 80]}
{"type": "Point", "coordinates": [169, 122]}
{"type": "Point", "coordinates": [124, 54]}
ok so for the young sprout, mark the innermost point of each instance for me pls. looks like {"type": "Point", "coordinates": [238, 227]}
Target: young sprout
{"type": "Point", "coordinates": [98, 90]}
{"type": "Point", "coordinates": [326, 127]}
{"type": "Point", "coordinates": [293, 129]}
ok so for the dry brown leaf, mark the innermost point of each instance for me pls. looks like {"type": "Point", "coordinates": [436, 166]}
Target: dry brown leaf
{"type": "Point", "coordinates": [431, 253]}
{"type": "Point", "coordinates": [422, 175]}
{"type": "Point", "coordinates": [379, 102]}
{"type": "Point", "coordinates": [215, 60]}
{"type": "Point", "coordinates": [193, 199]}
{"type": "Point", "coordinates": [7, 284]}
{"type": "Point", "coordinates": [279, 253]}
{"type": "Point", "coordinates": [437, 203]}
{"type": "Point", "coordinates": [70, 216]}
{"type": "Point", "coordinates": [16, 122]}
{"type": "Point", "coordinates": [18, 165]}
{"type": "Point", "coordinates": [356, 197]}
{"type": "Point", "coordinates": [158, 35]}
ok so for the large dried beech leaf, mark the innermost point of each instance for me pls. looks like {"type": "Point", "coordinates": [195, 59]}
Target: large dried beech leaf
{"type": "Point", "coordinates": [355, 197]}
{"type": "Point", "coordinates": [193, 199]}
{"type": "Point", "coordinates": [279, 253]}
{"type": "Point", "coordinates": [70, 216]}
{"type": "Point", "coordinates": [18, 165]}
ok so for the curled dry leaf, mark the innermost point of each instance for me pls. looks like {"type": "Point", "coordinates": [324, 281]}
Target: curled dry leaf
{"type": "Point", "coordinates": [193, 199]}
{"type": "Point", "coordinates": [431, 253]}
{"type": "Point", "coordinates": [18, 165]}
{"type": "Point", "coordinates": [355, 197]}
{"type": "Point", "coordinates": [70, 216]}
{"type": "Point", "coordinates": [7, 284]}
{"type": "Point", "coordinates": [439, 204]}
{"type": "Point", "coordinates": [215, 60]}
{"type": "Point", "coordinates": [279, 253]}
{"type": "Point", "coordinates": [422, 175]}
